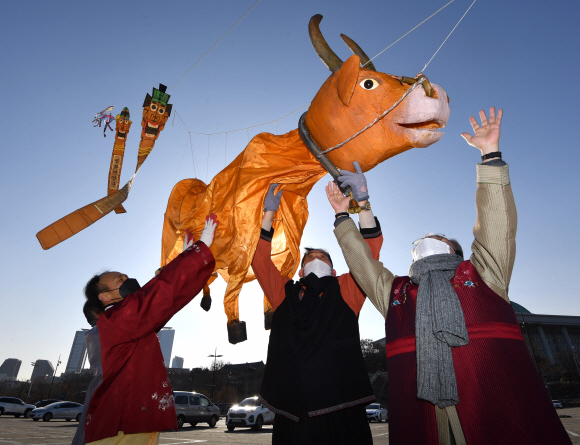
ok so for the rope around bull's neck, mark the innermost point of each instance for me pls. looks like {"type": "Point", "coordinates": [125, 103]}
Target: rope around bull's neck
{"type": "Point", "coordinates": [383, 114]}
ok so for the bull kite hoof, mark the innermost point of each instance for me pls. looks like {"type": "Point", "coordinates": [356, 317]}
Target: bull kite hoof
{"type": "Point", "coordinates": [268, 320]}
{"type": "Point", "coordinates": [206, 303]}
{"type": "Point", "coordinates": [237, 332]}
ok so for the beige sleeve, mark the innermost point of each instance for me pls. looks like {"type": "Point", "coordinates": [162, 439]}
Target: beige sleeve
{"type": "Point", "coordinates": [494, 248]}
{"type": "Point", "coordinates": [374, 279]}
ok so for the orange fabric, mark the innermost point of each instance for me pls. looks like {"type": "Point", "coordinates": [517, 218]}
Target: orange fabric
{"type": "Point", "coordinates": [236, 195]}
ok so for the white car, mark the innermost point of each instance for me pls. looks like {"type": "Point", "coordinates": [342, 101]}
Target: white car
{"type": "Point", "coordinates": [557, 404]}
{"type": "Point", "coordinates": [376, 412]}
{"type": "Point", "coordinates": [249, 412]}
{"type": "Point", "coordinates": [14, 406]}
{"type": "Point", "coordinates": [58, 410]}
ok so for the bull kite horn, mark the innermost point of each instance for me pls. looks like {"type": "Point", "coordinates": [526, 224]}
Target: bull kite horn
{"type": "Point", "coordinates": [364, 59]}
{"type": "Point", "coordinates": [328, 57]}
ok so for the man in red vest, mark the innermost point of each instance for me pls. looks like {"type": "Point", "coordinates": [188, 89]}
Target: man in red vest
{"type": "Point", "coordinates": [134, 402]}
{"type": "Point", "coordinates": [459, 369]}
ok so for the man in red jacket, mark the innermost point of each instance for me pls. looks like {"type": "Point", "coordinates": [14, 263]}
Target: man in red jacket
{"type": "Point", "coordinates": [134, 402]}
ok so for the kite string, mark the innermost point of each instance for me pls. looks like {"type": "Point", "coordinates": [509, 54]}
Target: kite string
{"type": "Point", "coordinates": [202, 57]}
{"type": "Point", "coordinates": [448, 35]}
{"type": "Point", "coordinates": [400, 38]}
{"type": "Point", "coordinates": [253, 126]}
{"type": "Point", "coordinates": [190, 143]}
{"type": "Point", "coordinates": [207, 160]}
{"type": "Point", "coordinates": [409, 32]}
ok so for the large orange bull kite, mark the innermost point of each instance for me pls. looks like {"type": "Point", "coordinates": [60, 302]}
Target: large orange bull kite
{"type": "Point", "coordinates": [358, 114]}
{"type": "Point", "coordinates": [156, 111]}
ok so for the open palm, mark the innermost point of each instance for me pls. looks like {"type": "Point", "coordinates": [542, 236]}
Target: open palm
{"type": "Point", "coordinates": [486, 137]}
{"type": "Point", "coordinates": [337, 200]}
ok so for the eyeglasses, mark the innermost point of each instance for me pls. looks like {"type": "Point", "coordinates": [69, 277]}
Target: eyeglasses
{"type": "Point", "coordinates": [429, 235]}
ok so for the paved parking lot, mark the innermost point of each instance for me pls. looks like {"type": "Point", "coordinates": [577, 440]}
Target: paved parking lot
{"type": "Point", "coordinates": [26, 432]}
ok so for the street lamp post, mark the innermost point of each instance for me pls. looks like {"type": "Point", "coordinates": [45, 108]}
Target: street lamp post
{"type": "Point", "coordinates": [53, 374]}
{"type": "Point", "coordinates": [30, 388]}
{"type": "Point", "coordinates": [215, 356]}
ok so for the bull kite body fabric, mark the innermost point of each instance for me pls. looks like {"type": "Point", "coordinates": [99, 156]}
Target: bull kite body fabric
{"type": "Point", "coordinates": [236, 195]}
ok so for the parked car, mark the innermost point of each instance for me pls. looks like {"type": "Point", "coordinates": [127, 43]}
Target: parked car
{"type": "Point", "coordinates": [249, 412]}
{"type": "Point", "coordinates": [58, 410]}
{"type": "Point", "coordinates": [193, 408]}
{"type": "Point", "coordinates": [46, 402]}
{"type": "Point", "coordinates": [14, 406]}
{"type": "Point", "coordinates": [557, 404]}
{"type": "Point", "coordinates": [376, 412]}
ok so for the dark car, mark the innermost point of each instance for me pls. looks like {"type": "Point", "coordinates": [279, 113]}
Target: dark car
{"type": "Point", "coordinates": [45, 402]}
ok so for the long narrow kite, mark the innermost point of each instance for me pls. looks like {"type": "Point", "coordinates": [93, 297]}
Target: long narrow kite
{"type": "Point", "coordinates": [156, 111]}
{"type": "Point", "coordinates": [123, 126]}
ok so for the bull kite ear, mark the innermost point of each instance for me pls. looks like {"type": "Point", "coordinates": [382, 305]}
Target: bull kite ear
{"type": "Point", "coordinates": [347, 79]}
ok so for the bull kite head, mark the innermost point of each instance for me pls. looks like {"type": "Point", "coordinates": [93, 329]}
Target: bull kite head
{"type": "Point", "coordinates": [354, 96]}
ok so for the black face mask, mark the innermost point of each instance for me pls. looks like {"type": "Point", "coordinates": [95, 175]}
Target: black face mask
{"type": "Point", "coordinates": [129, 286]}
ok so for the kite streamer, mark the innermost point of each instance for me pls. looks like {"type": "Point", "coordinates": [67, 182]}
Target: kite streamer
{"type": "Point", "coordinates": [156, 111]}
{"type": "Point", "coordinates": [122, 130]}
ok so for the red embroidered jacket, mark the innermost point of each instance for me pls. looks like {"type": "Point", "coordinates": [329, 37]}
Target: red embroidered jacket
{"type": "Point", "coordinates": [135, 395]}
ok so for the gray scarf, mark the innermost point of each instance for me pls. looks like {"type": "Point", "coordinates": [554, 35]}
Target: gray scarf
{"type": "Point", "coordinates": [439, 326]}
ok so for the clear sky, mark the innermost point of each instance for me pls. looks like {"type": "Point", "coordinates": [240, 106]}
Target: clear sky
{"type": "Point", "coordinates": [64, 61]}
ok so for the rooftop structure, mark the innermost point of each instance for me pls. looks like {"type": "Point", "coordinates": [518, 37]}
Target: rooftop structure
{"type": "Point", "coordinates": [10, 368]}
{"type": "Point", "coordinates": [78, 353]}
{"type": "Point", "coordinates": [42, 368]}
{"type": "Point", "coordinates": [166, 336]}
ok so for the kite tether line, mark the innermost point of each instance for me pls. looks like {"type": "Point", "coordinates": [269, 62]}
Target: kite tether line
{"type": "Point", "coordinates": [210, 50]}
{"type": "Point", "coordinates": [277, 120]}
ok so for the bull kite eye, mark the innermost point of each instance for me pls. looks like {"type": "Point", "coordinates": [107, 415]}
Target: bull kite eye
{"type": "Point", "coordinates": [153, 107]}
{"type": "Point", "coordinates": [161, 110]}
{"type": "Point", "coordinates": [369, 84]}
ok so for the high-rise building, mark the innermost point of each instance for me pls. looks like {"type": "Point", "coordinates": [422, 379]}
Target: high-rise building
{"type": "Point", "coordinates": [10, 367]}
{"type": "Point", "coordinates": [166, 336]}
{"type": "Point", "coordinates": [177, 362]}
{"type": "Point", "coordinates": [78, 353]}
{"type": "Point", "coordinates": [41, 369]}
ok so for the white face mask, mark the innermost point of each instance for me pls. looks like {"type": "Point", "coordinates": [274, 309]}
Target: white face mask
{"type": "Point", "coordinates": [430, 246]}
{"type": "Point", "coordinates": [318, 268]}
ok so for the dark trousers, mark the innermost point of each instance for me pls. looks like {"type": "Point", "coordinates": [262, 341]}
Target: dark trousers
{"type": "Point", "coordinates": [346, 426]}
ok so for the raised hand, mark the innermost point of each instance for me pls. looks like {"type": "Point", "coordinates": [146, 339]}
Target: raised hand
{"type": "Point", "coordinates": [272, 201]}
{"type": "Point", "coordinates": [337, 200]}
{"type": "Point", "coordinates": [486, 137]}
{"type": "Point", "coordinates": [208, 232]}
{"type": "Point", "coordinates": [357, 182]}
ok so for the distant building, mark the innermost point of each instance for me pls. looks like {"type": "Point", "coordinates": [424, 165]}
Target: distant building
{"type": "Point", "coordinates": [43, 368]}
{"type": "Point", "coordinates": [552, 337]}
{"type": "Point", "coordinates": [10, 367]}
{"type": "Point", "coordinates": [78, 353]}
{"type": "Point", "coordinates": [166, 336]}
{"type": "Point", "coordinates": [177, 362]}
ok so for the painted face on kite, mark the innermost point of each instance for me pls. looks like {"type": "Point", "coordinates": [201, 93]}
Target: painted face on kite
{"type": "Point", "coordinates": [123, 124]}
{"type": "Point", "coordinates": [156, 111]}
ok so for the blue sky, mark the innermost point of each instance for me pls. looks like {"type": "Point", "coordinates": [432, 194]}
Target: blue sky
{"type": "Point", "coordinates": [64, 61]}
